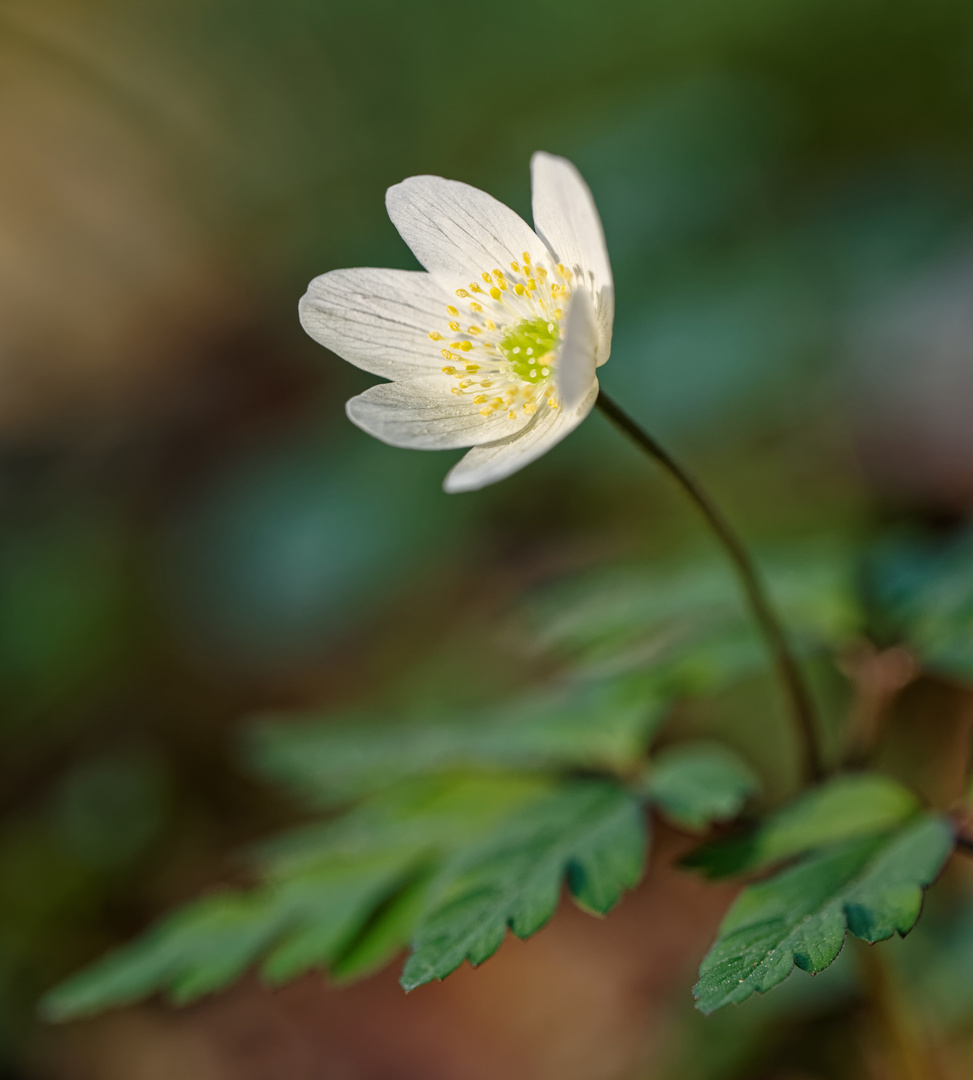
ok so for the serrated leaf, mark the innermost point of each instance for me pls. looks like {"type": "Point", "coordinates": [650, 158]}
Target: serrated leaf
{"type": "Point", "coordinates": [326, 906]}
{"type": "Point", "coordinates": [321, 902]}
{"type": "Point", "coordinates": [303, 923]}
{"type": "Point", "coordinates": [871, 886]}
{"type": "Point", "coordinates": [592, 834]}
{"type": "Point", "coordinates": [597, 724]}
{"type": "Point", "coordinates": [386, 935]}
{"type": "Point", "coordinates": [853, 805]}
{"type": "Point", "coordinates": [692, 613]}
{"type": "Point", "coordinates": [432, 814]}
{"type": "Point", "coordinates": [696, 784]}
{"type": "Point", "coordinates": [206, 944]}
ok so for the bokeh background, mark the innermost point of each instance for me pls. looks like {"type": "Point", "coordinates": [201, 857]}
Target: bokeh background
{"type": "Point", "coordinates": [193, 533]}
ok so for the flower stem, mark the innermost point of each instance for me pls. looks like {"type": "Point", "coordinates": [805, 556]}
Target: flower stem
{"type": "Point", "coordinates": [787, 668]}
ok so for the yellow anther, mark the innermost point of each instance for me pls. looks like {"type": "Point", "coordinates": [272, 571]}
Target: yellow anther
{"type": "Point", "coordinates": [558, 313]}
{"type": "Point", "coordinates": [512, 415]}
{"type": "Point", "coordinates": [475, 287]}
{"type": "Point", "coordinates": [466, 345]}
{"type": "Point", "coordinates": [449, 370]}
{"type": "Point", "coordinates": [486, 277]}
{"type": "Point", "coordinates": [475, 330]}
{"type": "Point", "coordinates": [486, 383]}
{"type": "Point", "coordinates": [435, 336]}
{"type": "Point", "coordinates": [497, 273]}
{"type": "Point", "coordinates": [515, 266]}
{"type": "Point", "coordinates": [479, 399]}
{"type": "Point", "coordinates": [455, 345]}
{"type": "Point", "coordinates": [490, 324]}
{"type": "Point", "coordinates": [486, 410]}
{"type": "Point", "coordinates": [454, 326]}
{"type": "Point", "coordinates": [452, 310]}
{"type": "Point", "coordinates": [498, 402]}
{"type": "Point", "coordinates": [552, 402]}
{"type": "Point", "coordinates": [530, 408]}
{"type": "Point", "coordinates": [561, 269]}
{"type": "Point", "coordinates": [472, 369]}
{"type": "Point", "coordinates": [495, 293]}
{"type": "Point", "coordinates": [531, 284]}
{"type": "Point", "coordinates": [463, 293]}
{"type": "Point", "coordinates": [519, 290]}
{"type": "Point", "coordinates": [455, 390]}
{"type": "Point", "coordinates": [446, 354]}
{"type": "Point", "coordinates": [465, 383]}
{"type": "Point", "coordinates": [541, 272]}
{"type": "Point", "coordinates": [526, 256]}
{"type": "Point", "coordinates": [474, 306]}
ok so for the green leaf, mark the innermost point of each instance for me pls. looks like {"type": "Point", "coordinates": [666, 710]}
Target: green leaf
{"type": "Point", "coordinates": [698, 783]}
{"type": "Point", "coordinates": [433, 815]}
{"type": "Point", "coordinates": [206, 944]}
{"type": "Point", "coordinates": [854, 805]}
{"type": "Point", "coordinates": [693, 614]}
{"type": "Point", "coordinates": [591, 833]}
{"type": "Point", "coordinates": [871, 886]}
{"type": "Point", "coordinates": [386, 935]}
{"type": "Point", "coordinates": [597, 724]}
{"type": "Point", "coordinates": [305, 922]}
{"type": "Point", "coordinates": [341, 894]}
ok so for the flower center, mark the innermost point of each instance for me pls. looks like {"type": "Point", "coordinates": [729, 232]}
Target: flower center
{"type": "Point", "coordinates": [502, 349]}
{"type": "Point", "coordinates": [528, 348]}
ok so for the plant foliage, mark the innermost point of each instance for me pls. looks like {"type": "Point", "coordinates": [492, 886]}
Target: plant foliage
{"type": "Point", "coordinates": [870, 885]}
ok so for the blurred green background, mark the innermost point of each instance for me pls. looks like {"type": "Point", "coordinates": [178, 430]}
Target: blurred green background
{"type": "Point", "coordinates": [191, 530]}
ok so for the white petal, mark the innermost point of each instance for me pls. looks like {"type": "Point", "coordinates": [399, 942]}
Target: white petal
{"type": "Point", "coordinates": [422, 414]}
{"type": "Point", "coordinates": [575, 370]}
{"type": "Point", "coordinates": [378, 320]}
{"type": "Point", "coordinates": [567, 220]}
{"type": "Point", "coordinates": [457, 231]}
{"type": "Point", "coordinates": [497, 460]}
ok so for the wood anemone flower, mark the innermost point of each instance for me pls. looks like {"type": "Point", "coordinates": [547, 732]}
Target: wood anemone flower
{"type": "Point", "coordinates": [495, 345]}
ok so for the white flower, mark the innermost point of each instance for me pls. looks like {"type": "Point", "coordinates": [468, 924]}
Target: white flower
{"type": "Point", "coordinates": [496, 345]}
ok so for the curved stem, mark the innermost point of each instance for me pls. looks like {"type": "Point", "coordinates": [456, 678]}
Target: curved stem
{"type": "Point", "coordinates": [790, 675]}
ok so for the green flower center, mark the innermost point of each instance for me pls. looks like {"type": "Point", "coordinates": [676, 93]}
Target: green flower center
{"type": "Point", "coordinates": [527, 348]}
